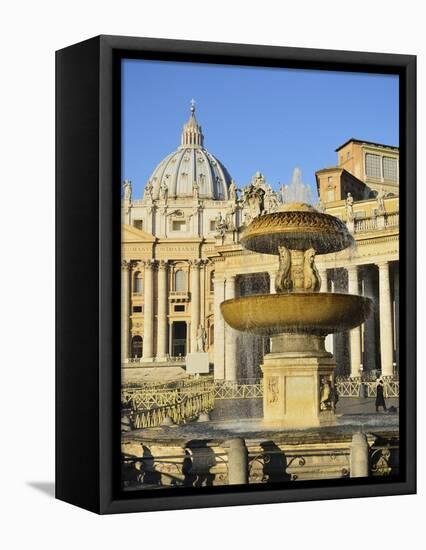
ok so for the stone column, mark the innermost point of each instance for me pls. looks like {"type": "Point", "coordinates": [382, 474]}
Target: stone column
{"type": "Point", "coordinates": [162, 311]}
{"type": "Point", "coordinates": [324, 288]}
{"type": "Point", "coordinates": [231, 360]}
{"type": "Point", "coordinates": [238, 473]}
{"type": "Point", "coordinates": [125, 310]}
{"type": "Point", "coordinates": [359, 456]}
{"type": "Point", "coordinates": [323, 274]}
{"type": "Point", "coordinates": [370, 356]}
{"type": "Point", "coordinates": [355, 333]}
{"type": "Point", "coordinates": [272, 276]}
{"type": "Point", "coordinates": [195, 302]}
{"type": "Point", "coordinates": [204, 290]}
{"type": "Point", "coordinates": [386, 345]}
{"type": "Point", "coordinates": [148, 311]}
{"type": "Point", "coordinates": [341, 343]}
{"type": "Point", "coordinates": [219, 329]}
{"type": "Point", "coordinates": [396, 315]}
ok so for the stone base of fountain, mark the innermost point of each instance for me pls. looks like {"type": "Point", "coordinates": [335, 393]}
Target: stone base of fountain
{"type": "Point", "coordinates": [298, 376]}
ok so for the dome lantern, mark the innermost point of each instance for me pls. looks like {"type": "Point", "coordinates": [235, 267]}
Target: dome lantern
{"type": "Point", "coordinates": [192, 134]}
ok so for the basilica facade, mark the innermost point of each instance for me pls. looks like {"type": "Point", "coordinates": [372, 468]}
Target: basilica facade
{"type": "Point", "coordinates": [181, 257]}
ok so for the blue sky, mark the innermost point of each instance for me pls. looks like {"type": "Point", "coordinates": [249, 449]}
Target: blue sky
{"type": "Point", "coordinates": [265, 119]}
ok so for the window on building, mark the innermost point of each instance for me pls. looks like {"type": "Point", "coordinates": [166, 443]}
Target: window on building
{"type": "Point", "coordinates": [179, 308]}
{"type": "Point", "coordinates": [373, 166]}
{"type": "Point", "coordinates": [211, 286]}
{"type": "Point", "coordinates": [137, 309]}
{"type": "Point", "coordinates": [138, 224]}
{"type": "Point", "coordinates": [390, 169]}
{"type": "Point", "coordinates": [348, 155]}
{"type": "Point", "coordinates": [137, 346]}
{"type": "Point", "coordinates": [137, 283]}
{"type": "Point", "coordinates": [179, 225]}
{"type": "Point", "coordinates": [330, 180]}
{"type": "Point", "coordinates": [212, 225]}
{"type": "Point", "coordinates": [180, 281]}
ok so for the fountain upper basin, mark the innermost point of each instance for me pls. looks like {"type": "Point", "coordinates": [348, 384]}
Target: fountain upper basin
{"type": "Point", "coordinates": [296, 226]}
{"type": "Point", "coordinates": [303, 312]}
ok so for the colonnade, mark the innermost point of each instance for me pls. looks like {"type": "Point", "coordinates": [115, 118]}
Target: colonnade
{"type": "Point", "coordinates": [225, 338]}
{"type": "Point", "coordinates": [358, 337]}
{"type": "Point", "coordinates": [156, 290]}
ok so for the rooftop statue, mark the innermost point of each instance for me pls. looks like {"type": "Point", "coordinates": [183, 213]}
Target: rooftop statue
{"type": "Point", "coordinates": [127, 190]}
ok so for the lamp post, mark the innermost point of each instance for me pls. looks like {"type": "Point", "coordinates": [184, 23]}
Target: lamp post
{"type": "Point", "coordinates": [362, 386]}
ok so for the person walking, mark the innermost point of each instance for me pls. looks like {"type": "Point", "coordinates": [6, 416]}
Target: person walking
{"type": "Point", "coordinates": [380, 395]}
{"type": "Point", "coordinates": [334, 397]}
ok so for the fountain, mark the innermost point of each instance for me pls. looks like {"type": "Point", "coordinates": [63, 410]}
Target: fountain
{"type": "Point", "coordinates": [298, 373]}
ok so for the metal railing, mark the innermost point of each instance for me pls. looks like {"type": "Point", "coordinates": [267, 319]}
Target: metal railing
{"type": "Point", "coordinates": [236, 390]}
{"type": "Point", "coordinates": [149, 405]}
{"type": "Point", "coordinates": [354, 387]}
{"type": "Point", "coordinates": [154, 395]}
{"type": "Point", "coordinates": [190, 407]}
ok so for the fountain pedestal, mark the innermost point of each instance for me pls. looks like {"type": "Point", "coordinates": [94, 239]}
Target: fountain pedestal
{"type": "Point", "coordinates": [297, 377]}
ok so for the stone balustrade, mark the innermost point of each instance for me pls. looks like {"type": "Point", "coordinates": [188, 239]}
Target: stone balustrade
{"type": "Point", "coordinates": [372, 223]}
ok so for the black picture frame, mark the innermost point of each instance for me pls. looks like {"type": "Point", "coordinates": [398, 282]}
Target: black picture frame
{"type": "Point", "coordinates": [88, 271]}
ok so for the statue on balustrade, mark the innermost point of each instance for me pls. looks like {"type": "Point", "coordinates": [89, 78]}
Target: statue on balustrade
{"type": "Point", "coordinates": [148, 190]}
{"type": "Point", "coordinates": [380, 198]}
{"type": "Point", "coordinates": [220, 224]}
{"type": "Point", "coordinates": [349, 207]}
{"type": "Point", "coordinates": [127, 190]}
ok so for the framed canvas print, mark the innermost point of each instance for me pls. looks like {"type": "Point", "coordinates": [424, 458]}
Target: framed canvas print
{"type": "Point", "coordinates": [235, 274]}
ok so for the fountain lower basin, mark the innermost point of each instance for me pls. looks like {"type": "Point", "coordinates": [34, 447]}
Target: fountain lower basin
{"type": "Point", "coordinates": [304, 312]}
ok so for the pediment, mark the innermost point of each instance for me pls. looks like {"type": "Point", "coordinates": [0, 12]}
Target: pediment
{"type": "Point", "coordinates": [130, 234]}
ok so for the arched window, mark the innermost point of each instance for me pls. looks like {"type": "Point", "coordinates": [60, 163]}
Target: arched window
{"type": "Point", "coordinates": [137, 283]}
{"type": "Point", "coordinates": [136, 346]}
{"type": "Point", "coordinates": [211, 281]}
{"type": "Point", "coordinates": [180, 283]}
